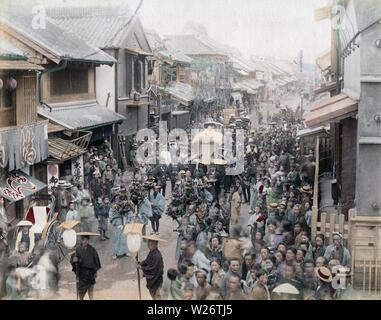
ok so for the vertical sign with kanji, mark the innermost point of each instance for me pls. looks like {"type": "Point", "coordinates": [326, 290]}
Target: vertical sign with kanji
{"type": "Point", "coordinates": [53, 176]}
{"type": "Point", "coordinates": [77, 169]}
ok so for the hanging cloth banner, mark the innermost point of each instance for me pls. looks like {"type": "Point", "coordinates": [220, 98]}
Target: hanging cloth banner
{"type": "Point", "coordinates": [17, 185]}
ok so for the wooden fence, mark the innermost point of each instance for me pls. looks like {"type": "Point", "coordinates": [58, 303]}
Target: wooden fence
{"type": "Point", "coordinates": [369, 271]}
{"type": "Point", "coordinates": [331, 223]}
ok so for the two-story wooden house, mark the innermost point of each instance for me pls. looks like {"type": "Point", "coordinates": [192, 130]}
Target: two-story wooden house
{"type": "Point", "coordinates": [63, 93]}
{"type": "Point", "coordinates": [124, 88]}
{"type": "Point", "coordinates": [23, 137]}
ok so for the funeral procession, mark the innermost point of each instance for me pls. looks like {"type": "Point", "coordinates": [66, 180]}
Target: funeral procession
{"type": "Point", "coordinates": [190, 150]}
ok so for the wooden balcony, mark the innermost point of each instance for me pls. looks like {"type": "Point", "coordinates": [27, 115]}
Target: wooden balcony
{"type": "Point", "coordinates": [63, 150]}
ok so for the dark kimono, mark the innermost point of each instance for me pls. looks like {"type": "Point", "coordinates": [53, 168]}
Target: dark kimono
{"type": "Point", "coordinates": [88, 265]}
{"type": "Point", "coordinates": [153, 268]}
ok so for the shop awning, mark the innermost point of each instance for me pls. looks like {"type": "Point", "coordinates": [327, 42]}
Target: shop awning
{"type": "Point", "coordinates": [320, 131]}
{"type": "Point", "coordinates": [331, 110]}
{"type": "Point", "coordinates": [182, 92]}
{"type": "Point", "coordinates": [17, 185]}
{"type": "Point", "coordinates": [81, 116]}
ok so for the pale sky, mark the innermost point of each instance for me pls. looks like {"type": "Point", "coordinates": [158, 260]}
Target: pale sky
{"type": "Point", "coordinates": [278, 28]}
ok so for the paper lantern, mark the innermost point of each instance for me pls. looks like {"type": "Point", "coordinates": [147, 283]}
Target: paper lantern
{"type": "Point", "coordinates": [11, 84]}
{"type": "Point", "coordinates": [1, 83]}
{"type": "Point", "coordinates": [133, 242]}
{"type": "Point", "coordinates": [69, 238]}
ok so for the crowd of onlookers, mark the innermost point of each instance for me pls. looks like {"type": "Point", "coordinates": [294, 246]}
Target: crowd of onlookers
{"type": "Point", "coordinates": [224, 250]}
{"type": "Point", "coordinates": [263, 250]}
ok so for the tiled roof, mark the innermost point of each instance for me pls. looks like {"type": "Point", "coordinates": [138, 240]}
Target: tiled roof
{"type": "Point", "coordinates": [190, 45]}
{"type": "Point", "coordinates": [166, 49]}
{"type": "Point", "coordinates": [81, 116]}
{"type": "Point", "coordinates": [53, 39]}
{"type": "Point", "coordinates": [103, 27]}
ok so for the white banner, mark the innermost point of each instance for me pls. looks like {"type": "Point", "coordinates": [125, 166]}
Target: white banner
{"type": "Point", "coordinates": [77, 169]}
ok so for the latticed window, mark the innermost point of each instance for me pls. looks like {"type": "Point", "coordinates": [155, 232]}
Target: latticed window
{"type": "Point", "coordinates": [69, 81]}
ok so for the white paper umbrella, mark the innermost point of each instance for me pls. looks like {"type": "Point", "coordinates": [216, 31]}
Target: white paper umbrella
{"type": "Point", "coordinates": [133, 242]}
{"type": "Point", "coordinates": [69, 238]}
{"type": "Point", "coordinates": [286, 288]}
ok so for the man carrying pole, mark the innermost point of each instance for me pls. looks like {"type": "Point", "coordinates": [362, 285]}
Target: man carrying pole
{"type": "Point", "coordinates": [153, 268]}
{"type": "Point", "coordinates": [85, 264]}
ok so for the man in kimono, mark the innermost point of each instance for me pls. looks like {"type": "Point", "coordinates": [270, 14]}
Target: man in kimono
{"type": "Point", "coordinates": [153, 267]}
{"type": "Point", "coordinates": [62, 200]}
{"type": "Point", "coordinates": [145, 211]}
{"type": "Point", "coordinates": [85, 264]}
{"type": "Point", "coordinates": [235, 205]}
{"type": "Point", "coordinates": [158, 205]}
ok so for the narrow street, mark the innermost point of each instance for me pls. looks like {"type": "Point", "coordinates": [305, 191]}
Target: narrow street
{"type": "Point", "coordinates": [117, 280]}
{"type": "Point", "coordinates": [86, 88]}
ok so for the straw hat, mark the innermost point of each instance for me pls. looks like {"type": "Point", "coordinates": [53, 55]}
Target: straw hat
{"type": "Point", "coordinates": [324, 274]}
{"type": "Point", "coordinates": [282, 204]}
{"type": "Point", "coordinates": [68, 225]}
{"type": "Point", "coordinates": [87, 234]}
{"type": "Point", "coordinates": [24, 223]}
{"type": "Point", "coordinates": [273, 205]}
{"type": "Point", "coordinates": [154, 238]}
{"type": "Point", "coordinates": [306, 189]}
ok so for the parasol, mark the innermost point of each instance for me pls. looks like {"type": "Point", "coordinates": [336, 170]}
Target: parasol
{"type": "Point", "coordinates": [286, 288]}
{"type": "Point", "coordinates": [24, 223]}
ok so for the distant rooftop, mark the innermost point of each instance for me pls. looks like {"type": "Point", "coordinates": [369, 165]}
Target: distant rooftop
{"type": "Point", "coordinates": [53, 39]}
{"type": "Point", "coordinates": [190, 45]}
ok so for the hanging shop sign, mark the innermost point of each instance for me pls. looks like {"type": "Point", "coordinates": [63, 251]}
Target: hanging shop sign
{"type": "Point", "coordinates": [77, 170]}
{"type": "Point", "coordinates": [53, 177]}
{"type": "Point", "coordinates": [17, 185]}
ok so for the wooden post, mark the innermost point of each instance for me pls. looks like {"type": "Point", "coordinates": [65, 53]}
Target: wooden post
{"type": "Point", "coordinates": [370, 277]}
{"type": "Point", "coordinates": [352, 274]}
{"type": "Point", "coordinates": [341, 224]}
{"type": "Point", "coordinates": [315, 203]}
{"type": "Point", "coordinates": [323, 230]}
{"type": "Point", "coordinates": [351, 215]}
{"type": "Point", "coordinates": [375, 277]}
{"type": "Point", "coordinates": [363, 277]}
{"type": "Point", "coordinates": [331, 227]}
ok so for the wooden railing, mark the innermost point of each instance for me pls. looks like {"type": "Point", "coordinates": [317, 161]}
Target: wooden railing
{"type": "Point", "coordinates": [328, 225]}
{"type": "Point", "coordinates": [65, 149]}
{"type": "Point", "coordinates": [83, 142]}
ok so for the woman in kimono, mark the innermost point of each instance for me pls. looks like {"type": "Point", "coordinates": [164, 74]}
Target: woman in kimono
{"type": "Point", "coordinates": [118, 221]}
{"type": "Point", "coordinates": [145, 211]}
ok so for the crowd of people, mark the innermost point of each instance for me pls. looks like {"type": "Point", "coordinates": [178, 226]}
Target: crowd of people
{"type": "Point", "coordinates": [224, 250]}
{"type": "Point", "coordinates": [271, 254]}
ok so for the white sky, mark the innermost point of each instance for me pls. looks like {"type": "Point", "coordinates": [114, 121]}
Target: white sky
{"type": "Point", "coordinates": [278, 28]}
